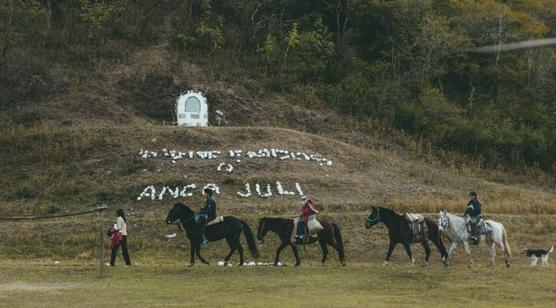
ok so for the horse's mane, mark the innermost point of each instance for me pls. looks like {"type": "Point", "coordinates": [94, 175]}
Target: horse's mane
{"type": "Point", "coordinates": [390, 211]}
{"type": "Point", "coordinates": [185, 208]}
{"type": "Point", "coordinates": [454, 215]}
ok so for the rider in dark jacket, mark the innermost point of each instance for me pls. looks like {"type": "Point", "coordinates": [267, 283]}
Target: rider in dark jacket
{"type": "Point", "coordinates": [473, 212]}
{"type": "Point", "coordinates": [207, 213]}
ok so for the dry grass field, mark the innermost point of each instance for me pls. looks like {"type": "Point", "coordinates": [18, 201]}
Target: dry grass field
{"type": "Point", "coordinates": [160, 283]}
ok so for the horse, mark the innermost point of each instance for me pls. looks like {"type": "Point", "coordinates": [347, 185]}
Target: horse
{"type": "Point", "coordinates": [400, 232]}
{"type": "Point", "coordinates": [330, 235]}
{"type": "Point", "coordinates": [454, 227]}
{"type": "Point", "coordinates": [230, 229]}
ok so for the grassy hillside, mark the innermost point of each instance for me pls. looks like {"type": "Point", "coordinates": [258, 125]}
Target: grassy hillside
{"type": "Point", "coordinates": [77, 168]}
{"type": "Point", "coordinates": [85, 87]}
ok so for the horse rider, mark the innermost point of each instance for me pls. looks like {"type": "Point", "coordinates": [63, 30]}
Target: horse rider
{"type": "Point", "coordinates": [207, 213]}
{"type": "Point", "coordinates": [473, 214]}
{"type": "Point", "coordinates": [308, 209]}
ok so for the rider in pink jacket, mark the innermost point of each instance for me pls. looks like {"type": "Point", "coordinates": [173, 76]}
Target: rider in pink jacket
{"type": "Point", "coordinates": [308, 209]}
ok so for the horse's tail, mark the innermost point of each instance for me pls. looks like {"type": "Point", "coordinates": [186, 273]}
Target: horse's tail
{"type": "Point", "coordinates": [505, 241]}
{"type": "Point", "coordinates": [434, 236]}
{"type": "Point", "coordinates": [339, 242]}
{"type": "Point", "coordinates": [250, 239]}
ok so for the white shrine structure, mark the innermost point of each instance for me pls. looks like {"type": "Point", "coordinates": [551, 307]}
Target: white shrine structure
{"type": "Point", "coordinates": [192, 109]}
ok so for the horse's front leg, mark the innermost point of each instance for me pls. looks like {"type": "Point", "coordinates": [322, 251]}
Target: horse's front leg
{"type": "Point", "coordinates": [278, 251]}
{"type": "Point", "coordinates": [468, 252]}
{"type": "Point", "coordinates": [192, 249]}
{"type": "Point", "coordinates": [198, 253]}
{"type": "Point", "coordinates": [453, 247]}
{"type": "Point", "coordinates": [408, 250]}
{"type": "Point", "coordinates": [295, 254]}
{"type": "Point", "coordinates": [389, 253]}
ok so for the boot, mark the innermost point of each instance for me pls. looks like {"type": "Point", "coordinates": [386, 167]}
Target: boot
{"type": "Point", "coordinates": [204, 240]}
{"type": "Point", "coordinates": [299, 239]}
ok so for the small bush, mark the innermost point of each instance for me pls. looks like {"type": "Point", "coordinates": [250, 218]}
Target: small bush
{"type": "Point", "coordinates": [132, 166]}
{"type": "Point", "coordinates": [153, 96]}
{"type": "Point", "coordinates": [53, 209]}
{"type": "Point", "coordinates": [105, 196]}
{"type": "Point", "coordinates": [25, 192]}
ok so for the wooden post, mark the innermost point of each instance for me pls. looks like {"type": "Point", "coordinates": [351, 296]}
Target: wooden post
{"type": "Point", "coordinates": [101, 244]}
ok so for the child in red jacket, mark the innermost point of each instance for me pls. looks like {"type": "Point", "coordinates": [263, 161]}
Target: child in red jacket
{"type": "Point", "coordinates": [308, 209]}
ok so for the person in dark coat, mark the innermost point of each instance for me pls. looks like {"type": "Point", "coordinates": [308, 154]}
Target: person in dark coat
{"type": "Point", "coordinates": [473, 213]}
{"type": "Point", "coordinates": [208, 213]}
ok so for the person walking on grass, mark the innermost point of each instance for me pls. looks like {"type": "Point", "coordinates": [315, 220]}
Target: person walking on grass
{"type": "Point", "coordinates": [122, 229]}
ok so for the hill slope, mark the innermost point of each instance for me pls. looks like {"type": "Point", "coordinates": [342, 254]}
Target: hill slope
{"type": "Point", "coordinates": [80, 147]}
{"type": "Point", "coordinates": [76, 167]}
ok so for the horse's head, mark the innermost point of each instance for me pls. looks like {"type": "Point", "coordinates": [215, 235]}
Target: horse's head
{"type": "Point", "coordinates": [178, 211]}
{"type": "Point", "coordinates": [262, 229]}
{"type": "Point", "coordinates": [373, 218]}
{"type": "Point", "coordinates": [443, 221]}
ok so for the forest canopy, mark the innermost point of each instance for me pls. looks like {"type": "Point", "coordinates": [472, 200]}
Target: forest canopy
{"type": "Point", "coordinates": [406, 63]}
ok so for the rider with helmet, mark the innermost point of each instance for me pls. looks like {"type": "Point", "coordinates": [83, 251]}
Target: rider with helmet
{"type": "Point", "coordinates": [207, 213]}
{"type": "Point", "coordinates": [308, 209]}
{"type": "Point", "coordinates": [473, 214]}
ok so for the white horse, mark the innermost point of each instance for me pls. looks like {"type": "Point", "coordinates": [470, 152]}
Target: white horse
{"type": "Point", "coordinates": [454, 227]}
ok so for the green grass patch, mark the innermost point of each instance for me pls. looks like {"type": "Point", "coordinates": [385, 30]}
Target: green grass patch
{"type": "Point", "coordinates": [158, 283]}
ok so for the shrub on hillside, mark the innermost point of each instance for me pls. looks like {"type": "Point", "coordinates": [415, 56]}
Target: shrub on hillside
{"type": "Point", "coordinates": [152, 96]}
{"type": "Point", "coordinates": [25, 192]}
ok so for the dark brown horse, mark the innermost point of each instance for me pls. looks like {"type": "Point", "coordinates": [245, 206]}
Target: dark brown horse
{"type": "Point", "coordinates": [399, 232]}
{"type": "Point", "coordinates": [230, 229]}
{"type": "Point", "coordinates": [330, 235]}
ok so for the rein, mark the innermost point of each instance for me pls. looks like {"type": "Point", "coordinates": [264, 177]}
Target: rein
{"type": "Point", "coordinates": [263, 224]}
{"type": "Point", "coordinates": [183, 222]}
{"type": "Point", "coordinates": [457, 233]}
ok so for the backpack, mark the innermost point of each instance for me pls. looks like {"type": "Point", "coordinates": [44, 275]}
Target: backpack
{"type": "Point", "coordinates": [110, 231]}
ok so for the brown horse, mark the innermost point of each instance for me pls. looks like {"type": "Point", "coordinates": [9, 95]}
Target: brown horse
{"type": "Point", "coordinates": [330, 235]}
{"type": "Point", "coordinates": [230, 230]}
{"type": "Point", "coordinates": [400, 232]}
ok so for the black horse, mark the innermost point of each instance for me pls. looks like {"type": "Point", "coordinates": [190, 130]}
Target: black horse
{"type": "Point", "coordinates": [400, 232]}
{"type": "Point", "coordinates": [230, 229]}
{"type": "Point", "coordinates": [330, 235]}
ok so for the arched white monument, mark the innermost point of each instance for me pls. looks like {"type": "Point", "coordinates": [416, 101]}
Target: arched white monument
{"type": "Point", "coordinates": [192, 109]}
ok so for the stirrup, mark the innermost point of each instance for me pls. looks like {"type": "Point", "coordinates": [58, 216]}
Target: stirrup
{"type": "Point", "coordinates": [299, 239]}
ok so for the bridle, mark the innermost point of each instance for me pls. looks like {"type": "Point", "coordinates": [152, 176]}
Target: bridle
{"type": "Point", "coordinates": [183, 222]}
{"type": "Point", "coordinates": [374, 220]}
{"type": "Point", "coordinates": [445, 222]}
{"type": "Point", "coordinates": [448, 226]}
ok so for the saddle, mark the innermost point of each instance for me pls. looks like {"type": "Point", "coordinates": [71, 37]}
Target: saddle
{"type": "Point", "coordinates": [217, 220]}
{"type": "Point", "coordinates": [313, 227]}
{"type": "Point", "coordinates": [417, 226]}
{"type": "Point", "coordinates": [481, 228]}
